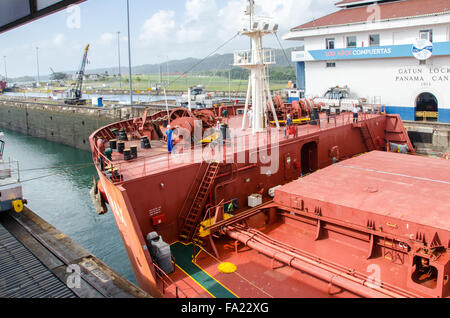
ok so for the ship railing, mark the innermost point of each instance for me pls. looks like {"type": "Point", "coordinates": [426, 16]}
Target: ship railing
{"type": "Point", "coordinates": [10, 170]}
{"type": "Point", "coordinates": [312, 126]}
{"type": "Point", "coordinates": [166, 282]}
{"type": "Point", "coordinates": [107, 164]}
{"type": "Point", "coordinates": [2, 147]}
{"type": "Point", "coordinates": [328, 122]}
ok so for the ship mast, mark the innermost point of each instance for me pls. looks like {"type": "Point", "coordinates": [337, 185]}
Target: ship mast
{"type": "Point", "coordinates": [257, 60]}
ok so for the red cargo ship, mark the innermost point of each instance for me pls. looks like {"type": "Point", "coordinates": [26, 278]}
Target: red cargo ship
{"type": "Point", "coordinates": [242, 210]}
{"type": "Point", "coordinates": [2, 86]}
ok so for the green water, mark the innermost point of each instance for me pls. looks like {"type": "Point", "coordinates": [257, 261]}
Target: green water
{"type": "Point", "coordinates": [63, 199]}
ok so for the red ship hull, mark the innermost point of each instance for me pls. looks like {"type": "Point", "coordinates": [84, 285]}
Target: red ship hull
{"type": "Point", "coordinates": [154, 193]}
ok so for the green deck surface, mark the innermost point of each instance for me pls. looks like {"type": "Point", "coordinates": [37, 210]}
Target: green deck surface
{"type": "Point", "coordinates": [183, 256]}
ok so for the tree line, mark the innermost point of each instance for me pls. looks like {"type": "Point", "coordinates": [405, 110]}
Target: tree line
{"type": "Point", "coordinates": [275, 73]}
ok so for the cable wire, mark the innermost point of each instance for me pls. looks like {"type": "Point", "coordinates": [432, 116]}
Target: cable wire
{"type": "Point", "coordinates": [284, 51]}
{"type": "Point", "coordinates": [55, 167]}
{"type": "Point", "coordinates": [202, 60]}
{"type": "Point", "coordinates": [46, 176]}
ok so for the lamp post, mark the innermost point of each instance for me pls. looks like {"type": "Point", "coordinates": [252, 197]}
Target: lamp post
{"type": "Point", "coordinates": [118, 49]}
{"type": "Point", "coordinates": [37, 63]}
{"type": "Point", "coordinates": [168, 73]}
{"type": "Point", "coordinates": [129, 53]}
{"type": "Point", "coordinates": [6, 73]}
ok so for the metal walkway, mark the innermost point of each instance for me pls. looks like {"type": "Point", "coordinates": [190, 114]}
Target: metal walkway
{"type": "Point", "coordinates": [38, 261]}
{"type": "Point", "coordinates": [22, 275]}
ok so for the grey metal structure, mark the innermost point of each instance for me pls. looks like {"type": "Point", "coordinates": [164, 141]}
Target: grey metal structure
{"type": "Point", "coordinates": [38, 261]}
{"type": "Point", "coordinates": [22, 275]}
{"type": "Point", "coordinates": [14, 13]}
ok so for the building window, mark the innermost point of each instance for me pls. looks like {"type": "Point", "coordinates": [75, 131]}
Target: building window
{"type": "Point", "coordinates": [374, 40]}
{"type": "Point", "coordinates": [424, 62]}
{"type": "Point", "coordinates": [351, 41]}
{"type": "Point", "coordinates": [426, 35]}
{"type": "Point", "coordinates": [330, 44]}
{"type": "Point", "coordinates": [331, 64]}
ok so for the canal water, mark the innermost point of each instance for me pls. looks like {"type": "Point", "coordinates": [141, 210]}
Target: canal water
{"type": "Point", "coordinates": [60, 195]}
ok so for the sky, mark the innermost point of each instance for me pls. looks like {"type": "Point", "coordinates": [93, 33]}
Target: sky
{"type": "Point", "coordinates": [160, 31]}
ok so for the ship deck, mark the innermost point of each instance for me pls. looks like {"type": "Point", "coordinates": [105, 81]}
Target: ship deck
{"type": "Point", "coordinates": [393, 188]}
{"type": "Point", "coordinates": [260, 276]}
{"type": "Point", "coordinates": [157, 160]}
{"type": "Point", "coordinates": [256, 275]}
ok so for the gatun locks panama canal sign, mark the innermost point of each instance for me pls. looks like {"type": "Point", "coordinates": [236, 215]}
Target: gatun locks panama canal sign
{"type": "Point", "coordinates": [423, 74]}
{"type": "Point", "coordinates": [423, 50]}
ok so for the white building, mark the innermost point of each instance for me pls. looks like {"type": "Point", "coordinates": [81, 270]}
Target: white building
{"type": "Point", "coordinates": [392, 52]}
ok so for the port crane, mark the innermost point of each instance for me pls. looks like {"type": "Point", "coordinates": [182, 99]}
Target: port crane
{"type": "Point", "coordinates": [74, 94]}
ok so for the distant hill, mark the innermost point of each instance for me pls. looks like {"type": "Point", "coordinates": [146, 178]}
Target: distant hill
{"type": "Point", "coordinates": [214, 62]}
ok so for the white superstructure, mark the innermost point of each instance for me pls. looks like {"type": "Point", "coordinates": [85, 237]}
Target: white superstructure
{"type": "Point", "coordinates": [395, 53]}
{"type": "Point", "coordinates": [257, 60]}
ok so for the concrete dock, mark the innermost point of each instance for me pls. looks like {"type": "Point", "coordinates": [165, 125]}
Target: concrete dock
{"type": "Point", "coordinates": [65, 124]}
{"type": "Point", "coordinates": [429, 138]}
{"type": "Point", "coordinates": [38, 261]}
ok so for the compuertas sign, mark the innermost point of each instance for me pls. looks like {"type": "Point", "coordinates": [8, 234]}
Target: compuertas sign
{"type": "Point", "coordinates": [421, 49]}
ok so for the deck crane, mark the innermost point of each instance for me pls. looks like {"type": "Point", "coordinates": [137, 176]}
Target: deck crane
{"type": "Point", "coordinates": [74, 94]}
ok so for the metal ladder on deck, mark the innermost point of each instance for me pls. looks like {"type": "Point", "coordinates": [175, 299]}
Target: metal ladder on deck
{"type": "Point", "coordinates": [195, 211]}
{"type": "Point", "coordinates": [367, 138]}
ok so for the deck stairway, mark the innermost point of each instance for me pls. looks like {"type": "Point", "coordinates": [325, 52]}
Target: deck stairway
{"type": "Point", "coordinates": [368, 141]}
{"type": "Point", "coordinates": [195, 212]}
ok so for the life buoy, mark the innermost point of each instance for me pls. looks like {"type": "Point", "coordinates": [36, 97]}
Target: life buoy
{"type": "Point", "coordinates": [17, 206]}
{"type": "Point", "coordinates": [446, 156]}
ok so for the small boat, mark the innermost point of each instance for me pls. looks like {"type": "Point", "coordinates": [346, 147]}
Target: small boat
{"type": "Point", "coordinates": [11, 197]}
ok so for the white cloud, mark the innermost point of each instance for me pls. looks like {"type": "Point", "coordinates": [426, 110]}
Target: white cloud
{"type": "Point", "coordinates": [193, 29]}
{"type": "Point", "coordinates": [158, 27]}
{"type": "Point", "coordinates": [107, 38]}
{"type": "Point", "coordinates": [196, 21]}
{"type": "Point", "coordinates": [189, 34]}
{"type": "Point", "coordinates": [195, 9]}
{"type": "Point", "coordinates": [231, 18]}
{"type": "Point", "coordinates": [59, 39]}
{"type": "Point", "coordinates": [286, 13]}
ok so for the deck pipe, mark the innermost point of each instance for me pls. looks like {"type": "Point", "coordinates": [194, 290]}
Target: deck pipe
{"type": "Point", "coordinates": [301, 263]}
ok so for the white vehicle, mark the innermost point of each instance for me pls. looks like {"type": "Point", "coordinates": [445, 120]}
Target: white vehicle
{"type": "Point", "coordinates": [338, 99]}
{"type": "Point", "coordinates": [198, 97]}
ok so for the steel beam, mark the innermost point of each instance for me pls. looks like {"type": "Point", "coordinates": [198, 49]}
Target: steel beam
{"type": "Point", "coordinates": [36, 14]}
